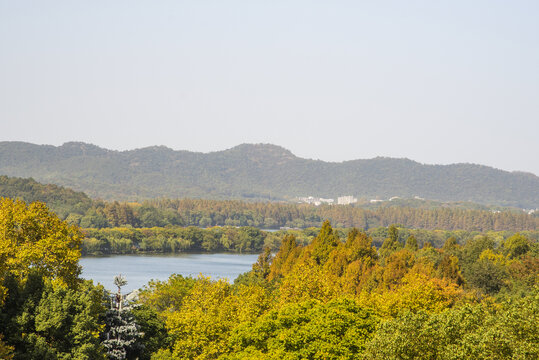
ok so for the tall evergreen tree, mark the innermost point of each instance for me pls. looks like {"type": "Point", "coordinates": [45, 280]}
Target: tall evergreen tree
{"type": "Point", "coordinates": [122, 335]}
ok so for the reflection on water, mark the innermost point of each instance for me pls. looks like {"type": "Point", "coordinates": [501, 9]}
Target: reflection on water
{"type": "Point", "coordinates": [139, 269]}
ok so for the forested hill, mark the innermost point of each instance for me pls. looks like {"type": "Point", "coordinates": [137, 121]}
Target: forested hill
{"type": "Point", "coordinates": [60, 199]}
{"type": "Point", "coordinates": [258, 172]}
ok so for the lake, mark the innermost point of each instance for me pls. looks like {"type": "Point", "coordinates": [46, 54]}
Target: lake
{"type": "Point", "coordinates": [139, 269]}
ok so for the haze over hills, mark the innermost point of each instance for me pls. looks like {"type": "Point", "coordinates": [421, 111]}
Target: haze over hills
{"type": "Point", "coordinates": [260, 171]}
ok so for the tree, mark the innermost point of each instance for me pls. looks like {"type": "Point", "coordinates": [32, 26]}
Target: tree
{"type": "Point", "coordinates": [411, 243]}
{"type": "Point", "coordinates": [308, 330]}
{"type": "Point", "coordinates": [308, 280]}
{"type": "Point", "coordinates": [260, 270]}
{"type": "Point", "coordinates": [120, 281]}
{"type": "Point", "coordinates": [152, 326]}
{"type": "Point", "coordinates": [391, 243]}
{"type": "Point", "coordinates": [416, 292]}
{"type": "Point", "coordinates": [262, 266]}
{"type": "Point", "coordinates": [166, 295]}
{"type": "Point", "coordinates": [393, 233]}
{"type": "Point", "coordinates": [285, 257]}
{"type": "Point", "coordinates": [121, 337]}
{"type": "Point", "coordinates": [359, 246]}
{"type": "Point", "coordinates": [397, 265]}
{"type": "Point", "coordinates": [449, 269]}
{"type": "Point", "coordinates": [516, 246]}
{"type": "Point", "coordinates": [200, 328]}
{"type": "Point", "coordinates": [487, 275]}
{"type": "Point", "coordinates": [507, 331]}
{"type": "Point", "coordinates": [45, 319]}
{"type": "Point", "coordinates": [34, 239]}
{"type": "Point", "coordinates": [324, 243]}
{"type": "Point", "coordinates": [450, 244]}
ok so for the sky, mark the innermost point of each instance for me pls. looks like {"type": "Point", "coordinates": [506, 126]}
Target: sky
{"type": "Point", "coordinates": [438, 82]}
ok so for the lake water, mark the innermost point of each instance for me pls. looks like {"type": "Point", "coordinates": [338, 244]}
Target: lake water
{"type": "Point", "coordinates": [139, 269]}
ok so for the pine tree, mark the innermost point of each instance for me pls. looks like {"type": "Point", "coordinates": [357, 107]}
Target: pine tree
{"type": "Point", "coordinates": [121, 338]}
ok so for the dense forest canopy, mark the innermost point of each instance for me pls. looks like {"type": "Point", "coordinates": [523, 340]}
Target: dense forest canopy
{"type": "Point", "coordinates": [341, 298]}
{"type": "Point", "coordinates": [60, 199]}
{"type": "Point", "coordinates": [263, 172]}
{"type": "Point", "coordinates": [326, 293]}
{"type": "Point", "coordinates": [80, 210]}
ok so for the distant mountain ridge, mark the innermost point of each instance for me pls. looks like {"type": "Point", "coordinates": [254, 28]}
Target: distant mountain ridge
{"type": "Point", "coordinates": [258, 171]}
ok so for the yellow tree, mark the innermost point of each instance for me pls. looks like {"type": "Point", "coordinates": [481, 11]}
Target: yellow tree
{"type": "Point", "coordinates": [307, 281]}
{"type": "Point", "coordinates": [34, 239]}
{"type": "Point", "coordinates": [209, 312]}
{"type": "Point", "coordinates": [284, 260]}
{"type": "Point", "coordinates": [415, 292]}
{"type": "Point", "coordinates": [49, 312]}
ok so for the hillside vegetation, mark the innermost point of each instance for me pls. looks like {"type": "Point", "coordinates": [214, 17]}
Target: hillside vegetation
{"type": "Point", "coordinates": [80, 210]}
{"type": "Point", "coordinates": [61, 200]}
{"type": "Point", "coordinates": [258, 172]}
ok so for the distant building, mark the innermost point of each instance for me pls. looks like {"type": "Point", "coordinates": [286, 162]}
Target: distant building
{"type": "Point", "coordinates": [315, 200]}
{"type": "Point", "coordinates": [346, 200]}
{"type": "Point", "coordinates": [307, 199]}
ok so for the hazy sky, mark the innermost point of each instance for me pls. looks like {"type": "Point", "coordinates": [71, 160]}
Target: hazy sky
{"type": "Point", "coordinates": [434, 81]}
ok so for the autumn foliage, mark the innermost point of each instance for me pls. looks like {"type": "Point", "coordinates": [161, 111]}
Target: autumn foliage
{"type": "Point", "coordinates": [344, 299]}
{"type": "Point", "coordinates": [336, 296]}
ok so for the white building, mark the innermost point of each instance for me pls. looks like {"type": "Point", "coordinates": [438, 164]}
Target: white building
{"type": "Point", "coordinates": [315, 200]}
{"type": "Point", "coordinates": [346, 200]}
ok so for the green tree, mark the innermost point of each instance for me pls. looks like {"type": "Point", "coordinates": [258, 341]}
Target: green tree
{"type": "Point", "coordinates": [167, 295]}
{"type": "Point", "coordinates": [309, 330]}
{"type": "Point", "coordinates": [515, 246]}
{"type": "Point", "coordinates": [153, 329]}
{"type": "Point", "coordinates": [411, 243]}
{"type": "Point", "coordinates": [324, 243]}
{"type": "Point", "coordinates": [44, 319]}
{"type": "Point", "coordinates": [122, 335]}
{"type": "Point", "coordinates": [391, 243]}
{"type": "Point", "coordinates": [487, 275]}
{"type": "Point", "coordinates": [509, 331]}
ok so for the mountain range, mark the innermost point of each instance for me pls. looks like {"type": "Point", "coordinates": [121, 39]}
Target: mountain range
{"type": "Point", "coordinates": [258, 172]}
